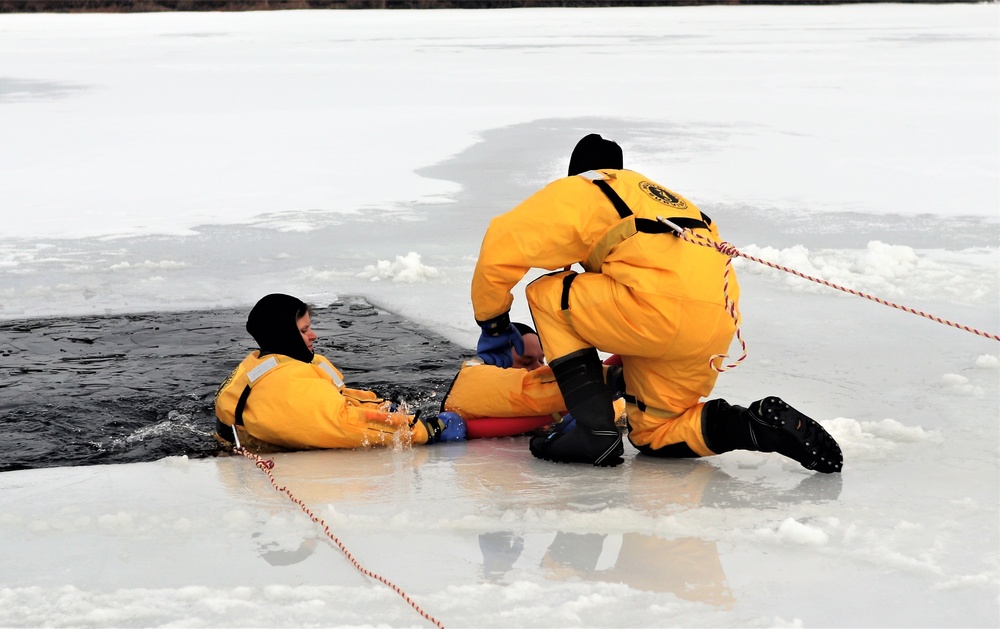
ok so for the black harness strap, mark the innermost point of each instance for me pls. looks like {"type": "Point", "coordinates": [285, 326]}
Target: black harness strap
{"type": "Point", "coordinates": [240, 405]}
{"type": "Point", "coordinates": [567, 282]}
{"type": "Point", "coordinates": [448, 392]}
{"type": "Point", "coordinates": [242, 402]}
{"type": "Point", "coordinates": [631, 399]}
{"type": "Point", "coordinates": [648, 225]}
{"type": "Point", "coordinates": [621, 207]}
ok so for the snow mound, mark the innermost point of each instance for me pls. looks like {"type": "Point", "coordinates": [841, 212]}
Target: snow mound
{"type": "Point", "coordinates": [406, 269]}
{"type": "Point", "coordinates": [873, 440]}
{"type": "Point", "coordinates": [887, 271]}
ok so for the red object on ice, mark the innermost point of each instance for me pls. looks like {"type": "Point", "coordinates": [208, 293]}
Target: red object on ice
{"type": "Point", "coordinates": [485, 427]}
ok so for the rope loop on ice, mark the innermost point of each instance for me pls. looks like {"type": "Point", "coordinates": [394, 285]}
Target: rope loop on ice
{"type": "Point", "coordinates": [730, 251]}
{"type": "Point", "coordinates": [266, 465]}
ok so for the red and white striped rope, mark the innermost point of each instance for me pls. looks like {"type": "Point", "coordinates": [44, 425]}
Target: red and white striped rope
{"type": "Point", "coordinates": [731, 309]}
{"type": "Point", "coordinates": [729, 250]}
{"type": "Point", "coordinates": [266, 465]}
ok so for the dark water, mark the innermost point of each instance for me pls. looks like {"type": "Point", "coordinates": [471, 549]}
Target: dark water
{"type": "Point", "coordinates": [130, 388]}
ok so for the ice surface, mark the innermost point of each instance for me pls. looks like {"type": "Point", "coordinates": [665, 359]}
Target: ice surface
{"type": "Point", "coordinates": [479, 534]}
{"type": "Point", "coordinates": [177, 161]}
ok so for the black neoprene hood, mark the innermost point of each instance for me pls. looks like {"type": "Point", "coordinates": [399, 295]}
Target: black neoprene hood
{"type": "Point", "coordinates": [273, 324]}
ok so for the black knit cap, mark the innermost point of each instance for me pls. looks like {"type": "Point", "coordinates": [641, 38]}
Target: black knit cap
{"type": "Point", "coordinates": [273, 324]}
{"type": "Point", "coordinates": [594, 152]}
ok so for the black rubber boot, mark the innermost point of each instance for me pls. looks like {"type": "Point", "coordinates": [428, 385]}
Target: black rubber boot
{"type": "Point", "coordinates": [595, 439]}
{"type": "Point", "coordinates": [771, 425]}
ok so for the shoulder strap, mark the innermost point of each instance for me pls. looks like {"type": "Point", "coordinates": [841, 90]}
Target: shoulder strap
{"type": "Point", "coordinates": [330, 372]}
{"type": "Point", "coordinates": [253, 376]}
{"type": "Point", "coordinates": [266, 366]}
{"type": "Point", "coordinates": [624, 211]}
{"type": "Point", "coordinates": [240, 405]}
{"type": "Point", "coordinates": [648, 225]}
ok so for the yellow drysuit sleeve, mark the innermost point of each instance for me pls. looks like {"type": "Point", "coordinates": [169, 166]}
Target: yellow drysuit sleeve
{"type": "Point", "coordinates": [551, 229]}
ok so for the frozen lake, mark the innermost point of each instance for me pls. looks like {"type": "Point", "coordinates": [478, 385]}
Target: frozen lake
{"type": "Point", "coordinates": [177, 162]}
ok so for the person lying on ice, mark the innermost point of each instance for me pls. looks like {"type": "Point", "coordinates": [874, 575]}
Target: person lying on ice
{"type": "Point", "coordinates": [517, 383]}
{"type": "Point", "coordinates": [283, 396]}
{"type": "Point", "coordinates": [651, 297]}
{"type": "Point", "coordinates": [511, 382]}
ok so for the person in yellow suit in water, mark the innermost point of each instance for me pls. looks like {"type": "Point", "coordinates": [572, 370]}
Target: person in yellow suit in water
{"type": "Point", "coordinates": [285, 397]}
{"type": "Point", "coordinates": [647, 295]}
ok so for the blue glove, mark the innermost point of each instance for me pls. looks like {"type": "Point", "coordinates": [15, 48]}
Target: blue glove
{"type": "Point", "coordinates": [454, 427]}
{"type": "Point", "coordinates": [498, 337]}
{"type": "Point", "coordinates": [445, 427]}
{"type": "Point", "coordinates": [567, 424]}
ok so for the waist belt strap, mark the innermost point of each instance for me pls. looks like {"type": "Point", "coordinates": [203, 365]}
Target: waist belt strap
{"type": "Point", "coordinates": [652, 410]}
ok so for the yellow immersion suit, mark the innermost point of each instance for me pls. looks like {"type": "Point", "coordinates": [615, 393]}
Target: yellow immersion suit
{"type": "Point", "coordinates": [296, 405]}
{"type": "Point", "coordinates": [647, 295]}
{"type": "Point", "coordinates": [482, 390]}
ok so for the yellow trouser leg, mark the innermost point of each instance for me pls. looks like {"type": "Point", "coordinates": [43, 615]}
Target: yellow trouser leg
{"type": "Point", "coordinates": [650, 429]}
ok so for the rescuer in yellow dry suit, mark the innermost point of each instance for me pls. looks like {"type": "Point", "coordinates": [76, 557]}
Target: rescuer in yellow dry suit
{"type": "Point", "coordinates": [647, 295]}
{"type": "Point", "coordinates": [285, 397]}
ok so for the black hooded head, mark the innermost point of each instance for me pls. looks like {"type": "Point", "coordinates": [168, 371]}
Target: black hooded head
{"type": "Point", "coordinates": [593, 153]}
{"type": "Point", "coordinates": [523, 328]}
{"type": "Point", "coordinates": [272, 323]}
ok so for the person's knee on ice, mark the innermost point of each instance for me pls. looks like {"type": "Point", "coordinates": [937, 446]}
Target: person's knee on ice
{"type": "Point", "coordinates": [770, 425]}
{"type": "Point", "coordinates": [663, 433]}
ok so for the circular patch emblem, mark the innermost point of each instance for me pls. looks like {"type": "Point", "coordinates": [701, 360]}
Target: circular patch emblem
{"type": "Point", "coordinates": [662, 195]}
